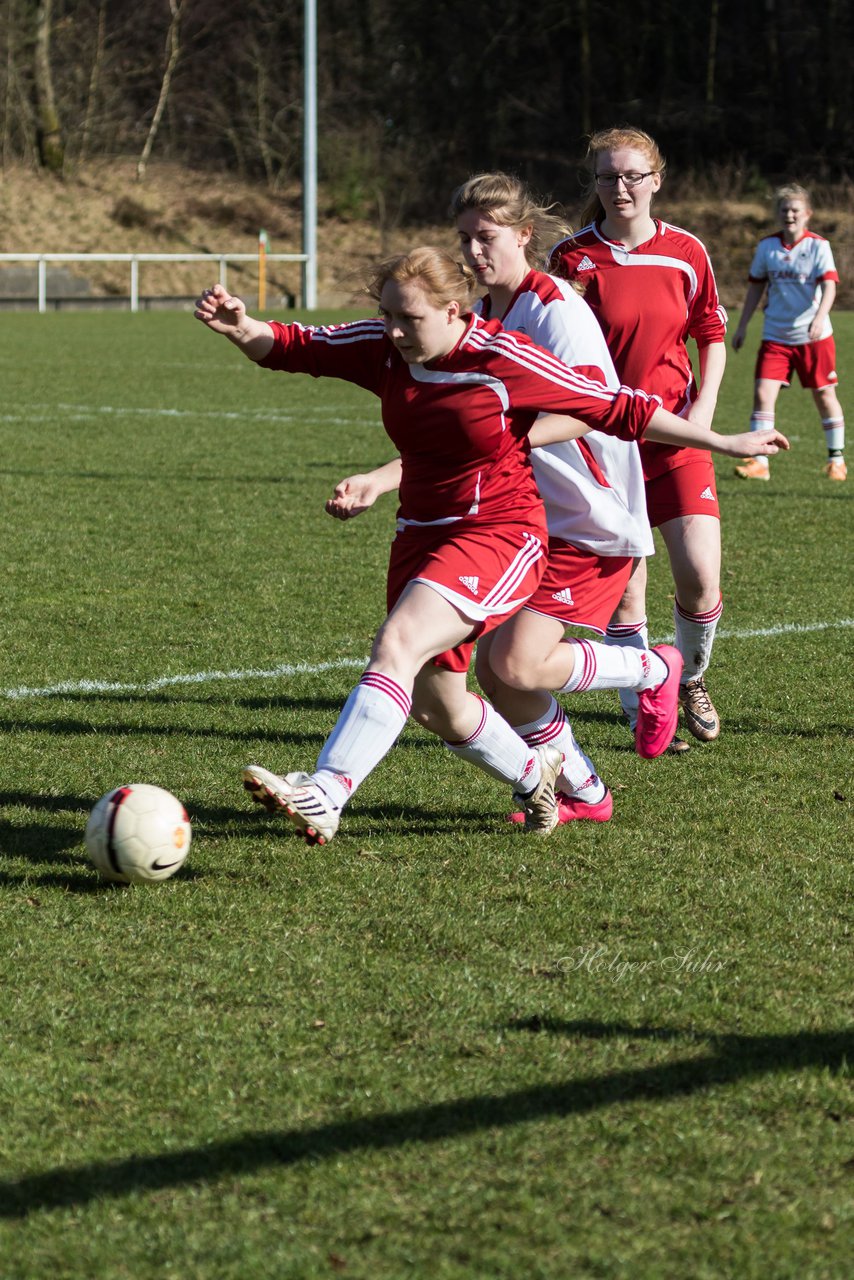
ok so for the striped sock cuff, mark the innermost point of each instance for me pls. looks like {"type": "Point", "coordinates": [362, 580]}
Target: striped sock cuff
{"type": "Point", "coordinates": [384, 684]}
{"type": "Point", "coordinates": [466, 742]}
{"type": "Point", "coordinates": [588, 667]}
{"type": "Point", "coordinates": [623, 630]}
{"type": "Point", "coordinates": [704, 618]}
{"type": "Point", "coordinates": [548, 732]}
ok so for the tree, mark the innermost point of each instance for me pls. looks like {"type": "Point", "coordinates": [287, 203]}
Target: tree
{"type": "Point", "coordinates": [173, 52]}
{"type": "Point", "coordinates": [50, 141]}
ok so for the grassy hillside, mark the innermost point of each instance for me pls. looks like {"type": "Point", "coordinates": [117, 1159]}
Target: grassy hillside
{"type": "Point", "coordinates": [104, 209]}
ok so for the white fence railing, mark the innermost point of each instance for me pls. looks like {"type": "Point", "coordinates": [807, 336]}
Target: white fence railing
{"type": "Point", "coordinates": [134, 259]}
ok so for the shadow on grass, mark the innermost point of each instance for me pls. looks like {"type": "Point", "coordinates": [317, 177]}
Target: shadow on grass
{"type": "Point", "coordinates": [86, 728]}
{"type": "Point", "coordinates": [68, 727]}
{"type": "Point", "coordinates": [178, 699]}
{"type": "Point", "coordinates": [731, 1058]}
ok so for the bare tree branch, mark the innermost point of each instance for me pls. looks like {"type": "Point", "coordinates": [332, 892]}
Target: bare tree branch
{"type": "Point", "coordinates": [173, 51]}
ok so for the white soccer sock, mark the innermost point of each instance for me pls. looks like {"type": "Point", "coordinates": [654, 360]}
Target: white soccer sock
{"type": "Point", "coordinates": [760, 419]}
{"type": "Point", "coordinates": [578, 777]}
{"type": "Point", "coordinates": [499, 751]}
{"type": "Point", "coordinates": [370, 723]}
{"type": "Point", "coordinates": [628, 635]}
{"type": "Point", "coordinates": [695, 635]}
{"type": "Point", "coordinates": [602, 666]}
{"type": "Point", "coordinates": [834, 435]}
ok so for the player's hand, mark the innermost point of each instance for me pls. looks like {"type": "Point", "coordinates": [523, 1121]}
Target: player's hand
{"type": "Point", "coordinates": [815, 330]}
{"type": "Point", "coordinates": [737, 341]}
{"type": "Point", "coordinates": [755, 444]}
{"type": "Point", "coordinates": [220, 310]}
{"type": "Point", "coordinates": [352, 496]}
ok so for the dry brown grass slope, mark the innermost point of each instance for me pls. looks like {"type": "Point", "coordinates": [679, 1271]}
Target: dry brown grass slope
{"type": "Point", "coordinates": [104, 209]}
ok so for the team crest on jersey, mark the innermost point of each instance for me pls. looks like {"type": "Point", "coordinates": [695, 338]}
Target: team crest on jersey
{"type": "Point", "coordinates": [586, 265]}
{"type": "Point", "coordinates": [707, 494]}
{"type": "Point", "coordinates": [471, 583]}
{"type": "Point", "coordinates": [563, 597]}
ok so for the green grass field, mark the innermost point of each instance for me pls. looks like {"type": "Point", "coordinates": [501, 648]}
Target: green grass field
{"type": "Point", "coordinates": [437, 1048]}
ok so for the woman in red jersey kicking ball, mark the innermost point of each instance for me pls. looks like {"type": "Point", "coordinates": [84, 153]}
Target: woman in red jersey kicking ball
{"type": "Point", "coordinates": [458, 397]}
{"type": "Point", "coordinates": [593, 491]}
{"type": "Point", "coordinates": [651, 287]}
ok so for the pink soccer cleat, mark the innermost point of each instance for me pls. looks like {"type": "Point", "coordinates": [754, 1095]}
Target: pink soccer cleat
{"type": "Point", "coordinates": [569, 809]}
{"type": "Point", "coordinates": [658, 708]}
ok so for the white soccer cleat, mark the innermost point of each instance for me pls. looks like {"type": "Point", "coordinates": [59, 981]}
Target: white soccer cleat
{"type": "Point", "coordinates": [298, 797]}
{"type": "Point", "coordinates": [540, 805]}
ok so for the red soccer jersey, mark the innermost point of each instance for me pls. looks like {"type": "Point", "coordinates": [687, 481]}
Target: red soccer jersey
{"type": "Point", "coordinates": [649, 301]}
{"type": "Point", "coordinates": [460, 422]}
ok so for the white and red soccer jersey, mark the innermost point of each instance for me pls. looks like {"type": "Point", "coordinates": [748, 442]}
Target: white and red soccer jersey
{"type": "Point", "coordinates": [794, 273]}
{"type": "Point", "coordinates": [460, 422]}
{"type": "Point", "coordinates": [592, 487]}
{"type": "Point", "coordinates": [649, 301]}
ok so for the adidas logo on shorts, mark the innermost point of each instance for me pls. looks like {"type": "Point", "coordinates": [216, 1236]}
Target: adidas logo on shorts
{"type": "Point", "coordinates": [471, 583]}
{"type": "Point", "coordinates": [707, 494]}
{"type": "Point", "coordinates": [563, 597]}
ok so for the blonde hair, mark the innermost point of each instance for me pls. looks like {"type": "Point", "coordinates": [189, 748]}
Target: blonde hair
{"type": "Point", "coordinates": [792, 191]}
{"type": "Point", "coordinates": [509, 202]}
{"type": "Point", "coordinates": [626, 137]}
{"type": "Point", "coordinates": [441, 277]}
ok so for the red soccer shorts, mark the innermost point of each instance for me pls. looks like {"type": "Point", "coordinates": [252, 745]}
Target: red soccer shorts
{"type": "Point", "coordinates": [813, 362]}
{"type": "Point", "coordinates": [685, 491]}
{"type": "Point", "coordinates": [580, 588]}
{"type": "Point", "coordinates": [487, 572]}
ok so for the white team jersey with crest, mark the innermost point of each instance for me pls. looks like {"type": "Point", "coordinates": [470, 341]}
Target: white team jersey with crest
{"type": "Point", "coordinates": [593, 487]}
{"type": "Point", "coordinates": [793, 273]}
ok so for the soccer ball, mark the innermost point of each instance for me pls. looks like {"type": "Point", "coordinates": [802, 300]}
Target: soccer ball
{"type": "Point", "coordinates": [138, 833]}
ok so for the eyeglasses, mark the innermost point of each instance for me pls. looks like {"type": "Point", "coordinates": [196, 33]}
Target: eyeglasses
{"type": "Point", "coordinates": [629, 179]}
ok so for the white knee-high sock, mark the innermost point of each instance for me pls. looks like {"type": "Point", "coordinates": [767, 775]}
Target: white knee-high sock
{"type": "Point", "coordinates": [834, 435]}
{"type": "Point", "coordinates": [695, 635]}
{"type": "Point", "coordinates": [628, 635]}
{"type": "Point", "coordinates": [370, 723]}
{"type": "Point", "coordinates": [499, 751]}
{"type": "Point", "coordinates": [760, 419]}
{"type": "Point", "coordinates": [578, 777]}
{"type": "Point", "coordinates": [602, 666]}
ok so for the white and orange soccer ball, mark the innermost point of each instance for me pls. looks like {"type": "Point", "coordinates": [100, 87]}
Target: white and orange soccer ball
{"type": "Point", "coordinates": [138, 833]}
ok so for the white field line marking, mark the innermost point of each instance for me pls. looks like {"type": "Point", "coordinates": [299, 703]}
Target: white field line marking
{"type": "Point", "coordinates": [49, 412]}
{"type": "Point", "coordinates": [318, 668]}
{"type": "Point", "coordinates": [785, 629]}
{"type": "Point", "coordinates": [196, 677]}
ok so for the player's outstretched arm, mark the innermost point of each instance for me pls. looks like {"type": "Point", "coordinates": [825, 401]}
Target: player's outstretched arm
{"type": "Point", "coordinates": [666, 428]}
{"type": "Point", "coordinates": [225, 314]}
{"type": "Point", "coordinates": [356, 494]}
{"type": "Point", "coordinates": [748, 444]}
